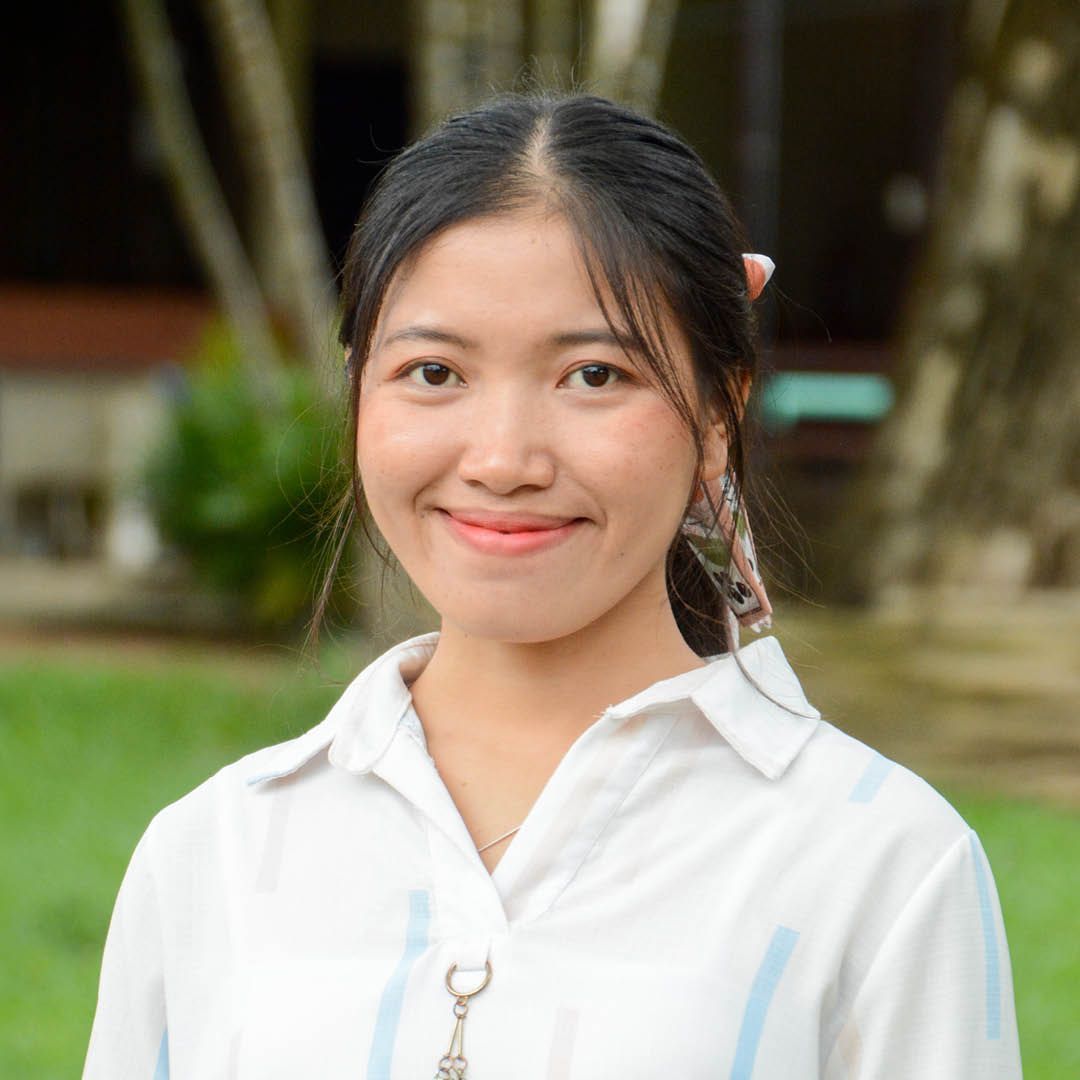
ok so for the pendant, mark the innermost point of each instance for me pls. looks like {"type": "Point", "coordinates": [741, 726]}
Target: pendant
{"type": "Point", "coordinates": [453, 1063]}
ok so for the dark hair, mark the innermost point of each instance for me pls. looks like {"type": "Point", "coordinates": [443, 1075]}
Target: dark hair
{"type": "Point", "coordinates": [652, 225]}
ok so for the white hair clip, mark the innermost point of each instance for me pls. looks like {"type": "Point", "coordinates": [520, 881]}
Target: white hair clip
{"type": "Point", "coordinates": [759, 268]}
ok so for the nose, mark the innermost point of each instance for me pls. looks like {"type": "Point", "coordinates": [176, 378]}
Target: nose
{"type": "Point", "coordinates": [509, 444]}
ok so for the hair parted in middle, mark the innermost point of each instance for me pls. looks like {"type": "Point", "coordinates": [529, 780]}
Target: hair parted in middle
{"type": "Point", "coordinates": [652, 226]}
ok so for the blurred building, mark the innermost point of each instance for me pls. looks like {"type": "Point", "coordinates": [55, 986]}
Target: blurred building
{"type": "Point", "coordinates": [83, 395]}
{"type": "Point", "coordinates": [821, 118]}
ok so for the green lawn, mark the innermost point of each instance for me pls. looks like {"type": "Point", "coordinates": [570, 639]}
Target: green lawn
{"type": "Point", "coordinates": [89, 752]}
{"type": "Point", "coordinates": [92, 747]}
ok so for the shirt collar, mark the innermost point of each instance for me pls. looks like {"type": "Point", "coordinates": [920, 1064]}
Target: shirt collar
{"type": "Point", "coordinates": [760, 709]}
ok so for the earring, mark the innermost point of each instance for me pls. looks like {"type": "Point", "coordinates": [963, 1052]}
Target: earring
{"type": "Point", "coordinates": [717, 528]}
{"type": "Point", "coordinates": [718, 531]}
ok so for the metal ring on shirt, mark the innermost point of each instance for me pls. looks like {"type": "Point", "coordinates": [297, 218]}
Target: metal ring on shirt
{"type": "Point", "coordinates": [467, 993]}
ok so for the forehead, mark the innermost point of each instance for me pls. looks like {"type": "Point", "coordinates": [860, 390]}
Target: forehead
{"type": "Point", "coordinates": [523, 270]}
{"type": "Point", "coordinates": [508, 263]}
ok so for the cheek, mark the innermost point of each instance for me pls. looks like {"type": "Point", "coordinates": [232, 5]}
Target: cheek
{"type": "Point", "coordinates": [658, 461]}
{"type": "Point", "coordinates": [394, 454]}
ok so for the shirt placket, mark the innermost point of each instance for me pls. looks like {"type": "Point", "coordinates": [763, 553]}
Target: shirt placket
{"type": "Point", "coordinates": [474, 912]}
{"type": "Point", "coordinates": [468, 919]}
{"type": "Point", "coordinates": [467, 904]}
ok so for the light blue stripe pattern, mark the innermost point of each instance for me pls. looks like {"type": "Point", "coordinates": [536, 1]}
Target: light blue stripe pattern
{"type": "Point", "coordinates": [761, 995]}
{"type": "Point", "coordinates": [871, 780]}
{"type": "Point", "coordinates": [990, 943]}
{"type": "Point", "coordinates": [393, 995]}
{"type": "Point", "coordinates": [161, 1070]}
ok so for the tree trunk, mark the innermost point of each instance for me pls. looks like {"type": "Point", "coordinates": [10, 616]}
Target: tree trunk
{"type": "Point", "coordinates": [629, 46]}
{"type": "Point", "coordinates": [291, 22]}
{"type": "Point", "coordinates": [440, 61]}
{"type": "Point", "coordinates": [266, 123]}
{"type": "Point", "coordinates": [975, 478]}
{"type": "Point", "coordinates": [554, 34]}
{"type": "Point", "coordinates": [645, 75]}
{"type": "Point", "coordinates": [468, 49]}
{"type": "Point", "coordinates": [500, 35]}
{"type": "Point", "coordinates": [615, 29]}
{"type": "Point", "coordinates": [196, 192]}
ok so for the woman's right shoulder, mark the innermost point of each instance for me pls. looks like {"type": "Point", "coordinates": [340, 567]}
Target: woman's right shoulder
{"type": "Point", "coordinates": [233, 801]}
{"type": "Point", "coordinates": [231, 796]}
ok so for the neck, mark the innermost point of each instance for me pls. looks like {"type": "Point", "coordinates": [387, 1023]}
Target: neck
{"type": "Point", "coordinates": [506, 691]}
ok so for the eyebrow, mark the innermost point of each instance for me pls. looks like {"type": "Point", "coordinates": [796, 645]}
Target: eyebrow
{"type": "Point", "coordinates": [586, 337]}
{"type": "Point", "coordinates": [429, 333]}
{"type": "Point", "coordinates": [439, 336]}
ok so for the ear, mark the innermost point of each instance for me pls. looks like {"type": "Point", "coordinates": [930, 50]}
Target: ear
{"type": "Point", "coordinates": [714, 462]}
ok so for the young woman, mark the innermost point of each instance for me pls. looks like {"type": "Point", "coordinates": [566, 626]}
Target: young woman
{"type": "Point", "coordinates": [579, 832]}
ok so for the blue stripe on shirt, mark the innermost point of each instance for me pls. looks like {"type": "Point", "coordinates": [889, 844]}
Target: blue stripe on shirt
{"type": "Point", "coordinates": [871, 780]}
{"type": "Point", "coordinates": [161, 1070]}
{"type": "Point", "coordinates": [761, 995]}
{"type": "Point", "coordinates": [393, 995]}
{"type": "Point", "coordinates": [990, 943]}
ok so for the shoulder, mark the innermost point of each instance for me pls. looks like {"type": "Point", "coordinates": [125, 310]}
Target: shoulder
{"type": "Point", "coordinates": [901, 890]}
{"type": "Point", "coordinates": [225, 802]}
{"type": "Point", "coordinates": [865, 809]}
{"type": "Point", "coordinates": [875, 836]}
{"type": "Point", "coordinates": [231, 806]}
{"type": "Point", "coordinates": [865, 785]}
{"type": "Point", "coordinates": [832, 799]}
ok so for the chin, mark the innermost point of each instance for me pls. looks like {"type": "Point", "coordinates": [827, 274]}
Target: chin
{"type": "Point", "coordinates": [520, 624]}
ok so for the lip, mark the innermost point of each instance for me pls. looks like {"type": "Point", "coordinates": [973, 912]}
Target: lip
{"type": "Point", "coordinates": [509, 534]}
{"type": "Point", "coordinates": [508, 523]}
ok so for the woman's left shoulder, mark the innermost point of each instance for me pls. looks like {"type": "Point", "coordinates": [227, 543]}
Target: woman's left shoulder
{"type": "Point", "coordinates": [864, 798]}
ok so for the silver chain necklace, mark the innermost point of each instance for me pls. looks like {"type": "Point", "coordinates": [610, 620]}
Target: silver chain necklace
{"type": "Point", "coordinates": [498, 838]}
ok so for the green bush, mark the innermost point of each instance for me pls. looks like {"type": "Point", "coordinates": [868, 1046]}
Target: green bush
{"type": "Point", "coordinates": [246, 482]}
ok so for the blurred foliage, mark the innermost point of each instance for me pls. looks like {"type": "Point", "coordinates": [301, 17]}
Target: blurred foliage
{"type": "Point", "coordinates": [246, 482]}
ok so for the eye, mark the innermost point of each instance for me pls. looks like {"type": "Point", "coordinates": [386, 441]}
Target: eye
{"type": "Point", "coordinates": [430, 373]}
{"type": "Point", "coordinates": [597, 376]}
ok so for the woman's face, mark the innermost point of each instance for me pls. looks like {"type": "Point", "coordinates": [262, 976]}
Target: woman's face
{"type": "Point", "coordinates": [527, 473]}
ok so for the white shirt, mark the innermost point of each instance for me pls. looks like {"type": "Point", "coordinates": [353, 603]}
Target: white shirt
{"type": "Point", "coordinates": [708, 886]}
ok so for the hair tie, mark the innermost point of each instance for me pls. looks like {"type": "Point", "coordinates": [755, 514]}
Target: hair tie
{"type": "Point", "coordinates": [759, 268]}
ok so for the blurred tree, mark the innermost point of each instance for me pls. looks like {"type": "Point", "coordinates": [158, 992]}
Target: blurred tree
{"type": "Point", "coordinates": [466, 49]}
{"type": "Point", "coordinates": [553, 36]}
{"type": "Point", "coordinates": [440, 61]}
{"type": "Point", "coordinates": [199, 199]}
{"type": "Point", "coordinates": [245, 477]}
{"type": "Point", "coordinates": [975, 478]}
{"type": "Point", "coordinates": [295, 266]}
{"type": "Point", "coordinates": [296, 272]}
{"type": "Point", "coordinates": [244, 492]}
{"type": "Point", "coordinates": [629, 47]}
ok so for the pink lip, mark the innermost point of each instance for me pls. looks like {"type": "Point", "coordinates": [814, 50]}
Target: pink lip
{"type": "Point", "coordinates": [501, 534]}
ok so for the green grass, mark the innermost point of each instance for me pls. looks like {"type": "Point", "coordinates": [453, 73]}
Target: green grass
{"type": "Point", "coordinates": [1035, 855]}
{"type": "Point", "coordinates": [92, 747]}
{"type": "Point", "coordinates": [88, 755]}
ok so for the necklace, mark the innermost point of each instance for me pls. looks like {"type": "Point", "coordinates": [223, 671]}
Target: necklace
{"type": "Point", "coordinates": [498, 838]}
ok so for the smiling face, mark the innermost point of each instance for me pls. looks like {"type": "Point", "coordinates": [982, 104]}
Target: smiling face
{"type": "Point", "coordinates": [526, 472]}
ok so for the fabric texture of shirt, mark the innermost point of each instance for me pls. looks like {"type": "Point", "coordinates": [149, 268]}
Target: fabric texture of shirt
{"type": "Point", "coordinates": [711, 884]}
